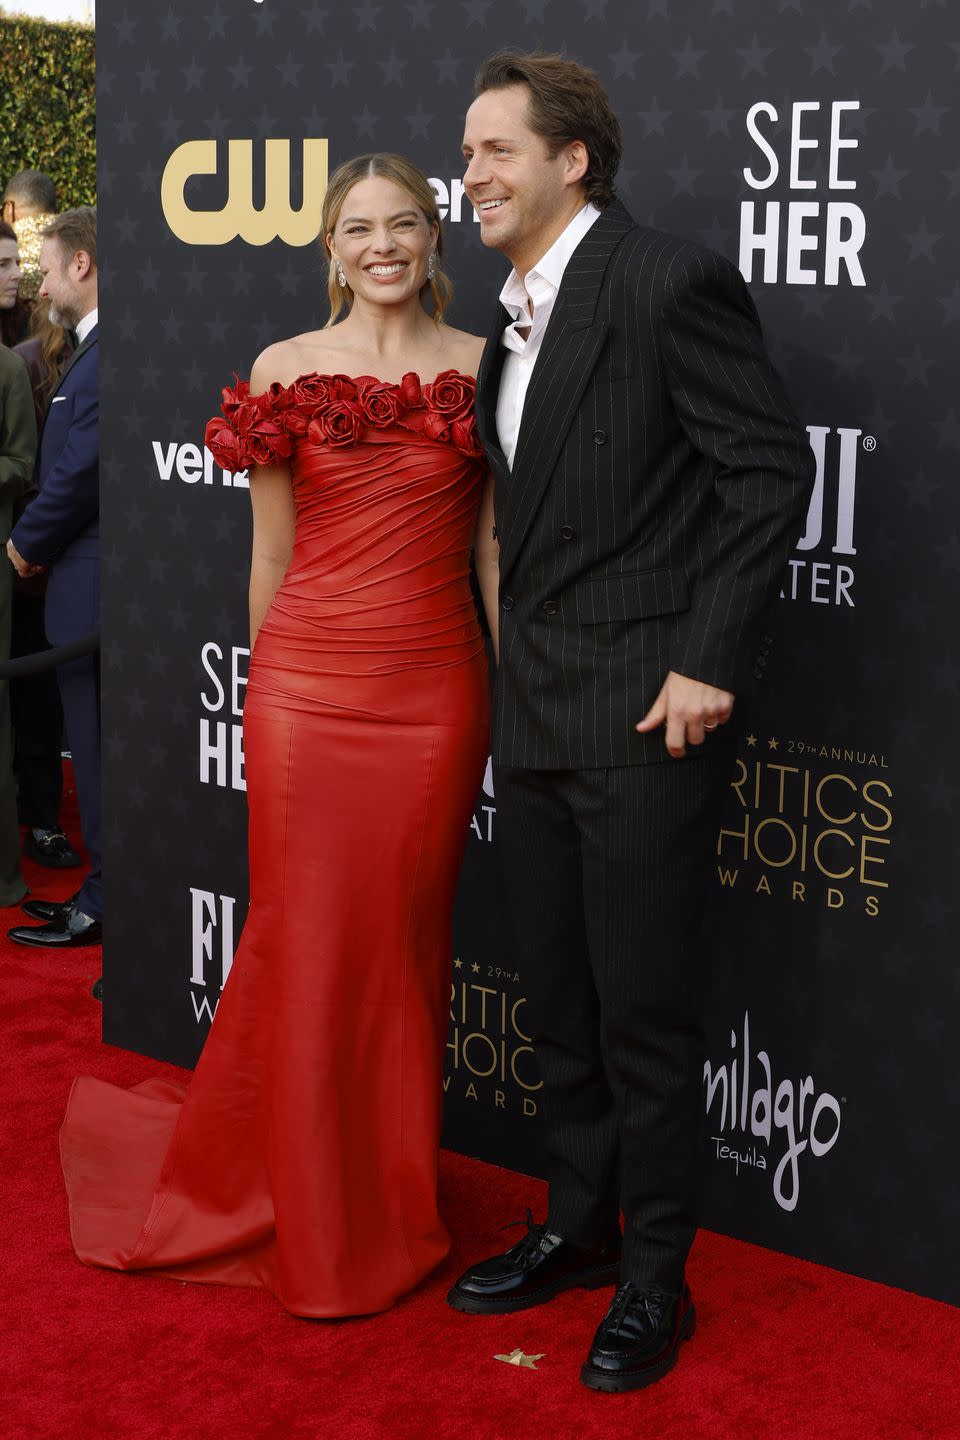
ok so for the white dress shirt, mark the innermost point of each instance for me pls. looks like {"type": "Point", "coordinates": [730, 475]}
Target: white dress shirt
{"type": "Point", "coordinates": [530, 301]}
{"type": "Point", "coordinates": [83, 327]}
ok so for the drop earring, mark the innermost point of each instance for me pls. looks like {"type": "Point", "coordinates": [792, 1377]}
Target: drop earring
{"type": "Point", "coordinates": [432, 265]}
{"type": "Point", "coordinates": [341, 277]}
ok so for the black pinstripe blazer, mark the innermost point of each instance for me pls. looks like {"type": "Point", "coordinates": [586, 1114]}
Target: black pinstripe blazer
{"type": "Point", "coordinates": [659, 483]}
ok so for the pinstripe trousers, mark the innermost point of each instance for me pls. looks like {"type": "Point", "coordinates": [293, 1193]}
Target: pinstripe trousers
{"type": "Point", "coordinates": [606, 872]}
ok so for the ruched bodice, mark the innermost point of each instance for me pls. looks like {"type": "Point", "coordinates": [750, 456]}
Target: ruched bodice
{"type": "Point", "coordinates": [379, 578]}
{"type": "Point", "coordinates": [385, 513]}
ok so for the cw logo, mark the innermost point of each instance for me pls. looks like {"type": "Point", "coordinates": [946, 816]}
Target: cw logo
{"type": "Point", "coordinates": [238, 217]}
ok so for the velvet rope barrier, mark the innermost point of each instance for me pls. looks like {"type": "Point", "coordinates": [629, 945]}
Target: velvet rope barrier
{"type": "Point", "coordinates": [46, 659]}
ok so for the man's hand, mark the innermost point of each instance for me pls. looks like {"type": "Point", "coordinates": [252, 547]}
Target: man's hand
{"type": "Point", "coordinates": [24, 568]}
{"type": "Point", "coordinates": [689, 710]}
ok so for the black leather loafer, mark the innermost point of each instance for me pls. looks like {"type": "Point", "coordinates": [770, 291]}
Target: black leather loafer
{"type": "Point", "coordinates": [48, 909]}
{"type": "Point", "coordinates": [50, 848]}
{"type": "Point", "coordinates": [639, 1338]}
{"type": "Point", "coordinates": [538, 1267]}
{"type": "Point", "coordinates": [75, 928]}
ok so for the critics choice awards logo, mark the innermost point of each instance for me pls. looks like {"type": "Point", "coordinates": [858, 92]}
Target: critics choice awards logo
{"type": "Point", "coordinates": [490, 1057]}
{"type": "Point", "coordinates": [809, 824]}
{"type": "Point", "coordinates": [765, 1123]}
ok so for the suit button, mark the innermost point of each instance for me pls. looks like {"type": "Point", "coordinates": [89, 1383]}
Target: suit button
{"type": "Point", "coordinates": [567, 532]}
{"type": "Point", "coordinates": [549, 607]}
{"type": "Point", "coordinates": [507, 602]}
{"type": "Point", "coordinates": [599, 437]}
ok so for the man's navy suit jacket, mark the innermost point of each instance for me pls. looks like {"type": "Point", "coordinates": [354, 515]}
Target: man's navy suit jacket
{"type": "Point", "coordinates": [62, 522]}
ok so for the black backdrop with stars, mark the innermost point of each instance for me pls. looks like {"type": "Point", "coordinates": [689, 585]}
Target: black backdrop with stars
{"type": "Point", "coordinates": [831, 1091]}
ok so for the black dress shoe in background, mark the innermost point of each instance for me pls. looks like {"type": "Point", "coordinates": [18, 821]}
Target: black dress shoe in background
{"type": "Point", "coordinates": [639, 1338]}
{"type": "Point", "coordinates": [538, 1267]}
{"type": "Point", "coordinates": [75, 928]}
{"type": "Point", "coordinates": [48, 909]}
{"type": "Point", "coordinates": [51, 848]}
{"type": "Point", "coordinates": [96, 989]}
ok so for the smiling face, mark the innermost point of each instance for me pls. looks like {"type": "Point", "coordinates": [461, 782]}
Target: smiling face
{"type": "Point", "coordinates": [9, 274]}
{"type": "Point", "coordinates": [524, 196]}
{"type": "Point", "coordinates": [383, 240]}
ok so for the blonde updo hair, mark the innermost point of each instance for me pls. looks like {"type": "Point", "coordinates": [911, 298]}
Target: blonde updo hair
{"type": "Point", "coordinates": [410, 178]}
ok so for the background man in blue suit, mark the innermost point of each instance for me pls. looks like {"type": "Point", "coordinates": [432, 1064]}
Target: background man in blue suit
{"type": "Point", "coordinates": [60, 532]}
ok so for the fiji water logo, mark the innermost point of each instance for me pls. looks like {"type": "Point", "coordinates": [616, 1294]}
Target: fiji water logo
{"type": "Point", "coordinates": [746, 1106]}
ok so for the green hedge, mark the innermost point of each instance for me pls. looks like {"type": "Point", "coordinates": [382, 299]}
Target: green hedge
{"type": "Point", "coordinates": [48, 105]}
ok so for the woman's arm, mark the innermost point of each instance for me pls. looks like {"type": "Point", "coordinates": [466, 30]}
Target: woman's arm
{"type": "Point", "coordinates": [271, 496]}
{"type": "Point", "coordinates": [486, 555]}
{"type": "Point", "coordinates": [274, 516]}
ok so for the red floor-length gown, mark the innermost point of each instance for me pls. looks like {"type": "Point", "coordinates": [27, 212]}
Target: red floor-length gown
{"type": "Point", "coordinates": [303, 1155]}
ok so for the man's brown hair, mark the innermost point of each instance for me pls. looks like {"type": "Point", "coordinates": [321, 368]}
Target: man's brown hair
{"type": "Point", "coordinates": [75, 230]}
{"type": "Point", "coordinates": [567, 103]}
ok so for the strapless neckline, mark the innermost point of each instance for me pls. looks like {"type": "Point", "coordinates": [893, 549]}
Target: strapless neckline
{"type": "Point", "coordinates": [334, 410]}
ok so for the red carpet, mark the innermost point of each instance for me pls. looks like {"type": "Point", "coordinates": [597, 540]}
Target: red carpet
{"type": "Point", "coordinates": [784, 1349]}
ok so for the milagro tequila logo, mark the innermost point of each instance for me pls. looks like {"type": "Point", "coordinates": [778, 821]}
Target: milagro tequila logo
{"type": "Point", "coordinates": [745, 1108]}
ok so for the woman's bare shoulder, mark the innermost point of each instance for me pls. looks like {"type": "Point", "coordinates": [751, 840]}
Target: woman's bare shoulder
{"type": "Point", "coordinates": [464, 350]}
{"type": "Point", "coordinates": [282, 362]}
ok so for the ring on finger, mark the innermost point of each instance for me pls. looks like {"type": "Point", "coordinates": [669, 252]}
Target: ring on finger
{"type": "Point", "coordinates": [710, 724]}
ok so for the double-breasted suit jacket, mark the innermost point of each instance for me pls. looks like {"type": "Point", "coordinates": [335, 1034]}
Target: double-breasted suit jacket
{"type": "Point", "coordinates": [659, 483]}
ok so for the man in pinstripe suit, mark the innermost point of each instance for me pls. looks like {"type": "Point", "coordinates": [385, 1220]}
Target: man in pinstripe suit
{"type": "Point", "coordinates": [651, 481]}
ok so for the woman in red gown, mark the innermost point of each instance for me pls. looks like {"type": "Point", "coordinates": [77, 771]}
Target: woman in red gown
{"type": "Point", "coordinates": [303, 1155]}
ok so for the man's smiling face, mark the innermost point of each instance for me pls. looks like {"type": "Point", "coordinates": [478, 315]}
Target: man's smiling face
{"type": "Point", "coordinates": [522, 194]}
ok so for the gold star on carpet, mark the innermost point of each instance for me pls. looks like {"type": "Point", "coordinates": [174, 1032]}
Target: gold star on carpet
{"type": "Point", "coordinates": [751, 742]}
{"type": "Point", "coordinates": [517, 1357]}
{"type": "Point", "coordinates": [458, 964]}
{"type": "Point", "coordinates": [475, 968]}
{"type": "Point", "coordinates": [774, 744]}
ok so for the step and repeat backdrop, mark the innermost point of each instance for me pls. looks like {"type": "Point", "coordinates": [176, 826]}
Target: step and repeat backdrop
{"type": "Point", "coordinates": [814, 144]}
